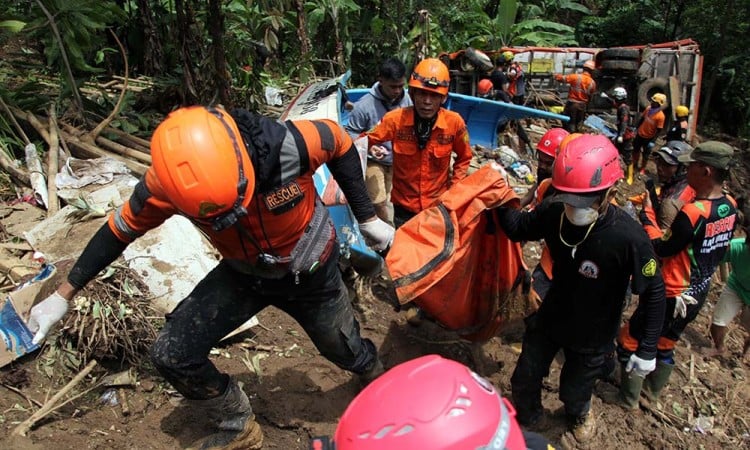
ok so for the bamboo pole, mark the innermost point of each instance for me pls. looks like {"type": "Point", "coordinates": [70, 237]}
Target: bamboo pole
{"type": "Point", "coordinates": [53, 203]}
{"type": "Point", "coordinates": [9, 166]}
{"type": "Point", "coordinates": [86, 150]}
{"type": "Point", "coordinates": [112, 146]}
{"type": "Point", "coordinates": [48, 407]}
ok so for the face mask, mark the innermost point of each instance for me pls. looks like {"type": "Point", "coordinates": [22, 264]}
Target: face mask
{"type": "Point", "coordinates": [581, 216]}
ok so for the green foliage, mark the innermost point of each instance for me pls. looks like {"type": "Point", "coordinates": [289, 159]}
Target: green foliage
{"type": "Point", "coordinates": [80, 24]}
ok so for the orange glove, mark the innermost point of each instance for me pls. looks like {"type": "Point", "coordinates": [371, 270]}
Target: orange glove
{"type": "Point", "coordinates": [558, 77]}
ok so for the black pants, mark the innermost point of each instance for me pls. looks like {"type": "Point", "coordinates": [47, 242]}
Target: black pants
{"type": "Point", "coordinates": [225, 299]}
{"type": "Point", "coordinates": [401, 215]}
{"type": "Point", "coordinates": [641, 147]}
{"type": "Point", "coordinates": [577, 113]}
{"type": "Point", "coordinates": [577, 378]}
{"type": "Point", "coordinates": [626, 151]}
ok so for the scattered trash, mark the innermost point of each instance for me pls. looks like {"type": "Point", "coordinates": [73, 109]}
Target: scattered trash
{"type": "Point", "coordinates": [273, 96]}
{"type": "Point", "coordinates": [109, 397]}
{"type": "Point", "coordinates": [703, 424]}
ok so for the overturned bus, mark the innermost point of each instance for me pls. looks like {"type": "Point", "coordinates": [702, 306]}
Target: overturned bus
{"type": "Point", "coordinates": [673, 68]}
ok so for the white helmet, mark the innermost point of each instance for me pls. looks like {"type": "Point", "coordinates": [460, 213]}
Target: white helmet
{"type": "Point", "coordinates": [619, 93]}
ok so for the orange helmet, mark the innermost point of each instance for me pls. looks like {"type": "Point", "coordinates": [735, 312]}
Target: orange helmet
{"type": "Point", "coordinates": [431, 75]}
{"type": "Point", "coordinates": [590, 65]}
{"type": "Point", "coordinates": [202, 164]}
{"type": "Point", "coordinates": [484, 87]}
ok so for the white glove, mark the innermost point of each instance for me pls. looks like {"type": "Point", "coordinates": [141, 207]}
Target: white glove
{"type": "Point", "coordinates": [681, 303]}
{"type": "Point", "coordinates": [46, 314]}
{"type": "Point", "coordinates": [641, 367]}
{"type": "Point", "coordinates": [619, 139]}
{"type": "Point", "coordinates": [377, 234]}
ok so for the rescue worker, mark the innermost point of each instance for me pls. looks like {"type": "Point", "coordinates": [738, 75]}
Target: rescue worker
{"type": "Point", "coordinates": [735, 298]}
{"type": "Point", "coordinates": [582, 87]}
{"type": "Point", "coordinates": [690, 251]}
{"type": "Point", "coordinates": [678, 131]}
{"type": "Point", "coordinates": [648, 127]}
{"type": "Point", "coordinates": [385, 95]}
{"type": "Point", "coordinates": [424, 136]}
{"type": "Point", "coordinates": [516, 78]}
{"type": "Point", "coordinates": [672, 177]}
{"type": "Point", "coordinates": [430, 403]}
{"type": "Point", "coordinates": [485, 89]}
{"type": "Point", "coordinates": [624, 138]}
{"type": "Point", "coordinates": [597, 249]}
{"type": "Point", "coordinates": [500, 80]}
{"type": "Point", "coordinates": [246, 182]}
{"type": "Point", "coordinates": [546, 149]}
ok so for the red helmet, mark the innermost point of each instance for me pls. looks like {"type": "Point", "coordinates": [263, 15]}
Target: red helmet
{"type": "Point", "coordinates": [201, 162]}
{"type": "Point", "coordinates": [431, 75]}
{"type": "Point", "coordinates": [484, 87]}
{"type": "Point", "coordinates": [549, 144]}
{"type": "Point", "coordinates": [430, 403]}
{"type": "Point", "coordinates": [587, 163]}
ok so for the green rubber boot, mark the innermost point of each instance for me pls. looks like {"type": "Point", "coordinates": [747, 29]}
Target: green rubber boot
{"type": "Point", "coordinates": [656, 380]}
{"type": "Point", "coordinates": [630, 388]}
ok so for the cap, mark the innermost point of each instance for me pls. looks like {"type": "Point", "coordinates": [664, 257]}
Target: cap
{"type": "Point", "coordinates": [713, 153]}
{"type": "Point", "coordinates": [582, 200]}
{"type": "Point", "coordinates": [668, 156]}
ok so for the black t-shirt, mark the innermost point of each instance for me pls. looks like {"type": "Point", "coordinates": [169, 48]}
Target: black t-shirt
{"type": "Point", "coordinates": [499, 79]}
{"type": "Point", "coordinates": [583, 307]}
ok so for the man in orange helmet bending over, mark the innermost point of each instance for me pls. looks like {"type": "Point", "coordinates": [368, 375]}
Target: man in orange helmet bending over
{"type": "Point", "coordinates": [246, 182]}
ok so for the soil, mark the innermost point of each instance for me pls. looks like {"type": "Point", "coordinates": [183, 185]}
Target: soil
{"type": "Point", "coordinates": [297, 394]}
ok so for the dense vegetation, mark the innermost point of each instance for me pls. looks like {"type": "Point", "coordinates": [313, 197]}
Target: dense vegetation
{"type": "Point", "coordinates": [227, 50]}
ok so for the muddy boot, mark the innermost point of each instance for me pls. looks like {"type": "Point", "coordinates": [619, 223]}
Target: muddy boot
{"type": "Point", "coordinates": [630, 388]}
{"type": "Point", "coordinates": [656, 380]}
{"type": "Point", "coordinates": [375, 370]}
{"type": "Point", "coordinates": [583, 428]}
{"type": "Point", "coordinates": [235, 420]}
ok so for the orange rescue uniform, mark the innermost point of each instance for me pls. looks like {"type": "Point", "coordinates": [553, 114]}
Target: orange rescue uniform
{"type": "Point", "coordinates": [276, 218]}
{"type": "Point", "coordinates": [651, 123]}
{"type": "Point", "coordinates": [581, 86]}
{"type": "Point", "coordinates": [420, 176]}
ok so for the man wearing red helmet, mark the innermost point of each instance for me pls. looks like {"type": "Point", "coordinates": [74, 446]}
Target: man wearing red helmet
{"type": "Point", "coordinates": [430, 403]}
{"type": "Point", "coordinates": [424, 136]}
{"type": "Point", "coordinates": [597, 248]}
{"type": "Point", "coordinates": [246, 182]}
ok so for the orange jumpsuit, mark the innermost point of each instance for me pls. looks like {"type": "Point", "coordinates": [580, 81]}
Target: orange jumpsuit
{"type": "Point", "coordinates": [420, 176]}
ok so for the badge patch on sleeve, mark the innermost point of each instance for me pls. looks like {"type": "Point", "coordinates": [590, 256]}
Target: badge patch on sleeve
{"type": "Point", "coordinates": [649, 269]}
{"type": "Point", "coordinates": [284, 198]}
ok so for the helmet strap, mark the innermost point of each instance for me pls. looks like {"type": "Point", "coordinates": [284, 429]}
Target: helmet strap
{"type": "Point", "coordinates": [423, 129]}
{"type": "Point", "coordinates": [238, 210]}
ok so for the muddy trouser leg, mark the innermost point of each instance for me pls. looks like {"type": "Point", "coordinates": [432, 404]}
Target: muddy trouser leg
{"type": "Point", "coordinates": [569, 110]}
{"type": "Point", "coordinates": [323, 309]}
{"type": "Point", "coordinates": [639, 145]}
{"type": "Point", "coordinates": [537, 353]}
{"type": "Point", "coordinates": [577, 379]}
{"type": "Point", "coordinates": [626, 151]}
{"type": "Point", "coordinates": [218, 304]}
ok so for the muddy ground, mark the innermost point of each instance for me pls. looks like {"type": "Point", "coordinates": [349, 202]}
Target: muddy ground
{"type": "Point", "coordinates": [298, 394]}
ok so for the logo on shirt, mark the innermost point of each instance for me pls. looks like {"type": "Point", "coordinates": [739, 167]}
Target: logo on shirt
{"type": "Point", "coordinates": [589, 269]}
{"type": "Point", "coordinates": [284, 198]}
{"type": "Point", "coordinates": [649, 269]}
{"type": "Point", "coordinates": [723, 210]}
